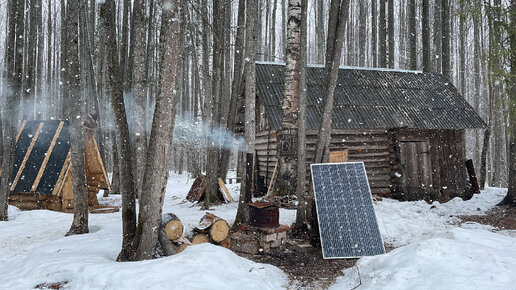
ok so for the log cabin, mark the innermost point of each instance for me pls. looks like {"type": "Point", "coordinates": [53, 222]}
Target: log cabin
{"type": "Point", "coordinates": [406, 126]}
{"type": "Point", "coordinates": [42, 171]}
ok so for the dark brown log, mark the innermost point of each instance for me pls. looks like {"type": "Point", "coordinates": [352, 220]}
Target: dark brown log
{"type": "Point", "coordinates": [197, 189]}
{"type": "Point", "coordinates": [472, 177]}
{"type": "Point", "coordinates": [226, 243]}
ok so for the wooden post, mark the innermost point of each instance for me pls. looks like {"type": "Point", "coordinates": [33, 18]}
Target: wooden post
{"type": "Point", "coordinates": [472, 177]}
{"type": "Point", "coordinates": [249, 177]}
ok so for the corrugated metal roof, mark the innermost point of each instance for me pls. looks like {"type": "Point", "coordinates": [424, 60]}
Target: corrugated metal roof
{"type": "Point", "coordinates": [372, 99]}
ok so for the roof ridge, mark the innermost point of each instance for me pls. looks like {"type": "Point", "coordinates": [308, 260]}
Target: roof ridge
{"type": "Point", "coordinates": [347, 67]}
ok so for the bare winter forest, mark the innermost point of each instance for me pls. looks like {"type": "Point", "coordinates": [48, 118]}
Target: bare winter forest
{"type": "Point", "coordinates": [171, 86]}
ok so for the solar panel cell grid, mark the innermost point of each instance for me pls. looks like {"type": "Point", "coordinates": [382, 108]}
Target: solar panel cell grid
{"type": "Point", "coordinates": [347, 221]}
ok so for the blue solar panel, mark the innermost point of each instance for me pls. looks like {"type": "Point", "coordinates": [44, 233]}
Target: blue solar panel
{"type": "Point", "coordinates": [347, 222]}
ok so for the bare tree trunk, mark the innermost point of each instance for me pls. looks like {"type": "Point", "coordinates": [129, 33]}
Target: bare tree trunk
{"type": "Point", "coordinates": [236, 85]}
{"type": "Point", "coordinates": [445, 29]}
{"type": "Point", "coordinates": [63, 82]}
{"type": "Point", "coordinates": [39, 114]}
{"type": "Point", "coordinates": [80, 192]}
{"type": "Point", "coordinates": [273, 31]}
{"type": "Point", "coordinates": [477, 51]}
{"type": "Point", "coordinates": [510, 198]}
{"type": "Point", "coordinates": [123, 141]}
{"type": "Point", "coordinates": [29, 61]}
{"type": "Point", "coordinates": [374, 32]}
{"type": "Point", "coordinates": [140, 91]}
{"type": "Point", "coordinates": [242, 216]}
{"type": "Point", "coordinates": [425, 23]}
{"type": "Point", "coordinates": [412, 32]}
{"type": "Point", "coordinates": [213, 156]}
{"type": "Point", "coordinates": [362, 20]}
{"type": "Point", "coordinates": [336, 27]}
{"type": "Point", "coordinates": [391, 32]}
{"type": "Point", "coordinates": [462, 48]}
{"type": "Point", "coordinates": [382, 36]}
{"type": "Point", "coordinates": [301, 215]}
{"type": "Point", "coordinates": [437, 36]}
{"type": "Point", "coordinates": [14, 81]}
{"type": "Point", "coordinates": [158, 155]}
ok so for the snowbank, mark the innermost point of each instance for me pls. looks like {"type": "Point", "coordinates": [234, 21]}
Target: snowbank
{"type": "Point", "coordinates": [455, 259]}
{"type": "Point", "coordinates": [402, 223]}
{"type": "Point", "coordinates": [435, 250]}
{"type": "Point", "coordinates": [33, 250]}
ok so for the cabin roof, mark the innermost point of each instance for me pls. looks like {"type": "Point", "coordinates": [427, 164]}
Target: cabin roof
{"type": "Point", "coordinates": [42, 148]}
{"type": "Point", "coordinates": [368, 98]}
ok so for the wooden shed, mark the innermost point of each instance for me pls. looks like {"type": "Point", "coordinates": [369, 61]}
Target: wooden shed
{"type": "Point", "coordinates": [406, 126]}
{"type": "Point", "coordinates": [42, 172]}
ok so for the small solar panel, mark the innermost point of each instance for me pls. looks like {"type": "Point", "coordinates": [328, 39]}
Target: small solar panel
{"type": "Point", "coordinates": [347, 221]}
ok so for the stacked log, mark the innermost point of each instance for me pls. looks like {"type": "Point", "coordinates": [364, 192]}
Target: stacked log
{"type": "Point", "coordinates": [171, 234]}
{"type": "Point", "coordinates": [216, 228]}
{"type": "Point", "coordinates": [172, 226]}
{"type": "Point", "coordinates": [211, 229]}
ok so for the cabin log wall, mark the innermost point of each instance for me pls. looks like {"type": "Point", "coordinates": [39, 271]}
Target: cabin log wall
{"type": "Point", "coordinates": [377, 149]}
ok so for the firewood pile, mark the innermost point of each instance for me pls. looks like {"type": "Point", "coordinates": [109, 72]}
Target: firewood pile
{"type": "Point", "coordinates": [211, 229]}
{"type": "Point", "coordinates": [283, 201]}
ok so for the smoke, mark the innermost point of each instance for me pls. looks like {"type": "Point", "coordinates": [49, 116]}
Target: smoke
{"type": "Point", "coordinates": [190, 131]}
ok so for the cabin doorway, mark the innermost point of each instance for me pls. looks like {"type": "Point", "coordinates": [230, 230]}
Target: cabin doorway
{"type": "Point", "coordinates": [417, 169]}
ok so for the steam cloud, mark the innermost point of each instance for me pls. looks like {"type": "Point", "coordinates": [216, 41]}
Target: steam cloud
{"type": "Point", "coordinates": [192, 131]}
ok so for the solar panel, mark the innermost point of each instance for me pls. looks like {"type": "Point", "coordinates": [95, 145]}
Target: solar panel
{"type": "Point", "coordinates": [347, 221]}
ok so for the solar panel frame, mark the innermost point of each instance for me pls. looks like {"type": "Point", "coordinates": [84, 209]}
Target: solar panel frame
{"type": "Point", "coordinates": [319, 213]}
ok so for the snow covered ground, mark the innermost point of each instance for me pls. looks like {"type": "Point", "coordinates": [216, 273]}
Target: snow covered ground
{"type": "Point", "coordinates": [433, 251]}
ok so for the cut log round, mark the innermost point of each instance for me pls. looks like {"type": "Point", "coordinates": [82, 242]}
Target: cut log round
{"type": "Point", "coordinates": [179, 247]}
{"type": "Point", "coordinates": [226, 243]}
{"type": "Point", "coordinates": [172, 226]}
{"type": "Point", "coordinates": [205, 223]}
{"type": "Point", "coordinates": [219, 230]}
{"type": "Point", "coordinates": [200, 238]}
